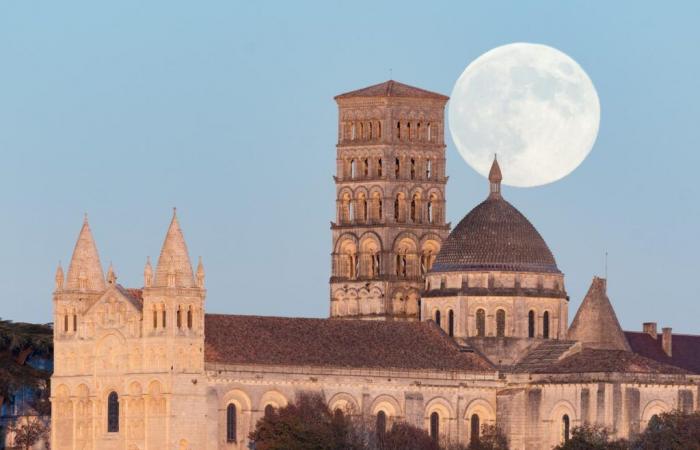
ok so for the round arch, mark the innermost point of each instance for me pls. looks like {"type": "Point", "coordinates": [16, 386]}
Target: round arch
{"type": "Point", "coordinates": [274, 398]}
{"type": "Point", "coordinates": [388, 404]}
{"type": "Point", "coordinates": [561, 409]}
{"type": "Point", "coordinates": [653, 408]}
{"type": "Point", "coordinates": [344, 402]}
{"type": "Point", "coordinates": [237, 397]}
{"type": "Point", "coordinates": [445, 413]}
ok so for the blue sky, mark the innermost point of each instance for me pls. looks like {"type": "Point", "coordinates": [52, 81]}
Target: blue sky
{"type": "Point", "coordinates": [225, 110]}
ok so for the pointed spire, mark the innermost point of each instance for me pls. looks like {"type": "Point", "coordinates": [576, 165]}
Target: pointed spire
{"type": "Point", "coordinates": [495, 179]}
{"type": "Point", "coordinates": [85, 269]}
{"type": "Point", "coordinates": [59, 277]}
{"type": "Point", "coordinates": [596, 325]}
{"type": "Point", "coordinates": [174, 267]}
{"type": "Point", "coordinates": [148, 273]}
{"type": "Point", "coordinates": [111, 276]}
{"type": "Point", "coordinates": [200, 273]}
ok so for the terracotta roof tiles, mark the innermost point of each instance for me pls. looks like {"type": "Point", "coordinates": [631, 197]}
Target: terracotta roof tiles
{"type": "Point", "coordinates": [392, 88]}
{"type": "Point", "coordinates": [234, 339]}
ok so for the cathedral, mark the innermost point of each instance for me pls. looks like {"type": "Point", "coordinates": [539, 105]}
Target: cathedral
{"type": "Point", "coordinates": [446, 329]}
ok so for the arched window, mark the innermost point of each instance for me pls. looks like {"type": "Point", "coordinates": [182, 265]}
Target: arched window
{"type": "Point", "coordinates": [500, 323]}
{"type": "Point", "coordinates": [164, 319]}
{"type": "Point", "coordinates": [155, 319]}
{"type": "Point", "coordinates": [435, 426]}
{"type": "Point", "coordinates": [428, 168]}
{"type": "Point", "coordinates": [437, 318]}
{"type": "Point", "coordinates": [397, 207]}
{"type": "Point", "coordinates": [231, 423]}
{"type": "Point", "coordinates": [430, 211]}
{"type": "Point", "coordinates": [381, 425]}
{"type": "Point", "coordinates": [398, 130]}
{"type": "Point", "coordinates": [451, 323]}
{"type": "Point", "coordinates": [408, 131]}
{"type": "Point", "coordinates": [414, 215]}
{"type": "Point", "coordinates": [474, 428]}
{"type": "Point", "coordinates": [379, 168]}
{"type": "Point", "coordinates": [480, 322]}
{"type": "Point", "coordinates": [189, 318]}
{"type": "Point", "coordinates": [365, 167]}
{"type": "Point", "coordinates": [113, 413]}
{"type": "Point", "coordinates": [531, 324]}
{"type": "Point", "coordinates": [362, 130]}
{"type": "Point", "coordinates": [430, 137]}
{"type": "Point", "coordinates": [352, 132]}
{"type": "Point", "coordinates": [75, 323]}
{"type": "Point", "coordinates": [353, 169]}
{"type": "Point", "coordinates": [565, 428]}
{"type": "Point", "coordinates": [379, 129]}
{"type": "Point", "coordinates": [178, 317]}
{"type": "Point", "coordinates": [413, 169]}
{"type": "Point", "coordinates": [397, 169]}
{"type": "Point", "coordinates": [380, 209]}
{"type": "Point", "coordinates": [545, 325]}
{"type": "Point", "coordinates": [269, 409]}
{"type": "Point", "coordinates": [370, 130]}
{"type": "Point", "coordinates": [65, 323]}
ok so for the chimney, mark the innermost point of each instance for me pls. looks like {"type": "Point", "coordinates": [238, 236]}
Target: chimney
{"type": "Point", "coordinates": [666, 340]}
{"type": "Point", "coordinates": [650, 329]}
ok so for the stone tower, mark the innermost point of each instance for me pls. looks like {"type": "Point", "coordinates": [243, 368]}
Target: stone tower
{"type": "Point", "coordinates": [129, 363]}
{"type": "Point", "coordinates": [390, 196]}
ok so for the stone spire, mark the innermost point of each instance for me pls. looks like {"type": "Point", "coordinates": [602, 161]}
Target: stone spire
{"type": "Point", "coordinates": [200, 273]}
{"type": "Point", "coordinates": [111, 275]}
{"type": "Point", "coordinates": [174, 267]}
{"type": "Point", "coordinates": [85, 270]}
{"type": "Point", "coordinates": [148, 273]}
{"type": "Point", "coordinates": [60, 278]}
{"type": "Point", "coordinates": [495, 179]}
{"type": "Point", "coordinates": [595, 324]}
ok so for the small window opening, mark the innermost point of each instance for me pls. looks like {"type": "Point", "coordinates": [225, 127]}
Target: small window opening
{"type": "Point", "coordinates": [480, 323]}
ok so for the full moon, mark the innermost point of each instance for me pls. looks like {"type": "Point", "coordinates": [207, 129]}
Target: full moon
{"type": "Point", "coordinates": [532, 106]}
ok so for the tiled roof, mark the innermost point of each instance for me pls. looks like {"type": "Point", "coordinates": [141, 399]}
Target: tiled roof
{"type": "Point", "coordinates": [134, 296]}
{"type": "Point", "coordinates": [392, 88]}
{"type": "Point", "coordinates": [594, 360]}
{"type": "Point", "coordinates": [237, 339]}
{"type": "Point", "coordinates": [685, 349]}
{"type": "Point", "coordinates": [543, 356]}
{"type": "Point", "coordinates": [495, 236]}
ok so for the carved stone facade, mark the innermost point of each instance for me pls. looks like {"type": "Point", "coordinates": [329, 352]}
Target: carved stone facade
{"type": "Point", "coordinates": [142, 347]}
{"type": "Point", "coordinates": [390, 197]}
{"type": "Point", "coordinates": [482, 336]}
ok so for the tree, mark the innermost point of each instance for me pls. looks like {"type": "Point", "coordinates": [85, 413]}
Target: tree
{"type": "Point", "coordinates": [589, 437]}
{"type": "Point", "coordinates": [403, 436]}
{"type": "Point", "coordinates": [18, 341]}
{"type": "Point", "coordinates": [28, 432]}
{"type": "Point", "coordinates": [492, 438]}
{"type": "Point", "coordinates": [670, 431]}
{"type": "Point", "coordinates": [305, 424]}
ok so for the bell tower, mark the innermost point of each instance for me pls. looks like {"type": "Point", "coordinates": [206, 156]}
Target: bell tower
{"type": "Point", "coordinates": [390, 200]}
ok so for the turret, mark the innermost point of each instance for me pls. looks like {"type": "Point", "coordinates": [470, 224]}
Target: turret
{"type": "Point", "coordinates": [200, 274]}
{"type": "Point", "coordinates": [495, 178]}
{"type": "Point", "coordinates": [174, 267]}
{"type": "Point", "coordinates": [148, 273]}
{"type": "Point", "coordinates": [59, 277]}
{"type": "Point", "coordinates": [85, 270]}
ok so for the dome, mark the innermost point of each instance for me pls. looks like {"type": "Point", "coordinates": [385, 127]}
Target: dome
{"type": "Point", "coordinates": [495, 236]}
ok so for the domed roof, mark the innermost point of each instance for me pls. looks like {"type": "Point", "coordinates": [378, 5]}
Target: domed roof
{"type": "Point", "coordinates": [495, 236]}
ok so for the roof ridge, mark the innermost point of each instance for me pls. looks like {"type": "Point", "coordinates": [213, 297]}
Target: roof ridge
{"type": "Point", "coordinates": [392, 88]}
